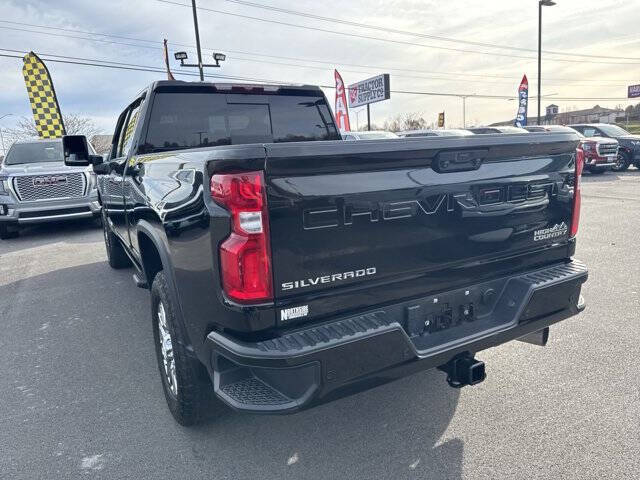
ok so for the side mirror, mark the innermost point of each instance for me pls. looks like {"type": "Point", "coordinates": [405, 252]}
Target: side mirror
{"type": "Point", "coordinates": [76, 150]}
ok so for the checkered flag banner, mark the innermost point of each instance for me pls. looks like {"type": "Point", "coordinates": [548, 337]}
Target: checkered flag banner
{"type": "Point", "coordinates": [46, 111]}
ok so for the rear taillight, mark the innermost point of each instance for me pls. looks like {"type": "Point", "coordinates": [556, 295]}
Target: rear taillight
{"type": "Point", "coordinates": [577, 200]}
{"type": "Point", "coordinates": [245, 256]}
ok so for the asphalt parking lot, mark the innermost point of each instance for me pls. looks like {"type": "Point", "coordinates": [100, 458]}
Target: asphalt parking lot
{"type": "Point", "coordinates": [81, 397]}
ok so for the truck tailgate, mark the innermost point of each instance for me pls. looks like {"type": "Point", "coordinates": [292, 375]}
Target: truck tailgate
{"type": "Point", "coordinates": [357, 224]}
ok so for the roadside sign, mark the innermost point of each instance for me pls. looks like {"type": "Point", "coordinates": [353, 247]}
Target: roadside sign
{"type": "Point", "coordinates": [368, 91]}
{"type": "Point", "coordinates": [634, 91]}
{"type": "Point", "coordinates": [441, 119]}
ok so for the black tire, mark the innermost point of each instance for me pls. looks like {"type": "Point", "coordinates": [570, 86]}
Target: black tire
{"type": "Point", "coordinates": [187, 387]}
{"type": "Point", "coordinates": [115, 251]}
{"type": "Point", "coordinates": [622, 162]}
{"type": "Point", "coordinates": [6, 232]}
{"type": "Point", "coordinates": [97, 220]}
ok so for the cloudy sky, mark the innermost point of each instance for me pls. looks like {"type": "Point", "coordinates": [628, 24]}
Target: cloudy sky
{"type": "Point", "coordinates": [270, 45]}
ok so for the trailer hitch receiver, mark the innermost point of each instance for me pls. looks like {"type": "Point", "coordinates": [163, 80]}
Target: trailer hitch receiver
{"type": "Point", "coordinates": [464, 370]}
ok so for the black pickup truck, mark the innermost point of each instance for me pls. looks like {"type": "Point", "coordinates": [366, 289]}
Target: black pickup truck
{"type": "Point", "coordinates": [288, 268]}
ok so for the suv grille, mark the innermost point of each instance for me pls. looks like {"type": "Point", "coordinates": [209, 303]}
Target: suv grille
{"type": "Point", "coordinates": [607, 149]}
{"type": "Point", "coordinates": [50, 187]}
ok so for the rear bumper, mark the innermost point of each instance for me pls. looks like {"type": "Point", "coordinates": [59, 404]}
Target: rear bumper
{"type": "Point", "coordinates": [317, 364]}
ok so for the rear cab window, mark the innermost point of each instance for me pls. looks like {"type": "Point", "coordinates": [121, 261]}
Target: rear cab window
{"type": "Point", "coordinates": [197, 118]}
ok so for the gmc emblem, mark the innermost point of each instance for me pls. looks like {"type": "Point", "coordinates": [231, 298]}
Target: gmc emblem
{"type": "Point", "coordinates": [50, 180]}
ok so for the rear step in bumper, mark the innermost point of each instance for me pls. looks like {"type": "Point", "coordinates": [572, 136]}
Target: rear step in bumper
{"type": "Point", "coordinates": [319, 363]}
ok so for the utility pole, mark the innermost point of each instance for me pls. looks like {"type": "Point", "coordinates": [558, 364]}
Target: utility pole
{"type": "Point", "coordinates": [464, 108]}
{"type": "Point", "coordinates": [464, 112]}
{"type": "Point", "coordinates": [195, 25]}
{"type": "Point", "coordinates": [368, 118]}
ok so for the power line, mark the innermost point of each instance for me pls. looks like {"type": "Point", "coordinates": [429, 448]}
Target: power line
{"type": "Point", "coordinates": [416, 34]}
{"type": "Point", "coordinates": [141, 68]}
{"type": "Point", "coordinates": [147, 68]}
{"type": "Point", "coordinates": [389, 40]}
{"type": "Point", "coordinates": [332, 63]}
{"type": "Point", "coordinates": [72, 30]}
{"type": "Point", "coordinates": [80, 38]}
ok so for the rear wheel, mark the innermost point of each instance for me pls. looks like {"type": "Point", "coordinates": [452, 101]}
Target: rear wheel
{"type": "Point", "coordinates": [185, 381]}
{"type": "Point", "coordinates": [115, 251]}
{"type": "Point", "coordinates": [7, 232]}
{"type": "Point", "coordinates": [622, 162]}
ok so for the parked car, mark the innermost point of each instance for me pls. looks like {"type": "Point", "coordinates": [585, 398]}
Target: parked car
{"type": "Point", "coordinates": [549, 128]}
{"type": "Point", "coordinates": [510, 129]}
{"type": "Point", "coordinates": [368, 135]}
{"type": "Point", "coordinates": [36, 186]}
{"type": "Point", "coordinates": [497, 129]}
{"type": "Point", "coordinates": [629, 151]}
{"type": "Point", "coordinates": [284, 274]}
{"type": "Point", "coordinates": [600, 152]}
{"type": "Point", "coordinates": [483, 130]}
{"type": "Point", "coordinates": [450, 132]}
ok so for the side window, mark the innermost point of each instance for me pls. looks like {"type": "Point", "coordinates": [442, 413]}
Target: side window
{"type": "Point", "coordinates": [129, 127]}
{"type": "Point", "coordinates": [117, 135]}
{"type": "Point", "coordinates": [589, 132]}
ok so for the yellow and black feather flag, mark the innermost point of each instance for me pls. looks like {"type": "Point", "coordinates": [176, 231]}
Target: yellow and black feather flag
{"type": "Point", "coordinates": [44, 104]}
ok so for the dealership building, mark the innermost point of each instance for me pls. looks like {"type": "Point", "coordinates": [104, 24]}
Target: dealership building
{"type": "Point", "coordinates": [553, 116]}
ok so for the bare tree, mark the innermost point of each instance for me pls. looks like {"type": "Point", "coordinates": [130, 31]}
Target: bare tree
{"type": "Point", "coordinates": [363, 128]}
{"type": "Point", "coordinates": [74, 125]}
{"type": "Point", "coordinates": [406, 121]}
{"type": "Point", "coordinates": [101, 143]}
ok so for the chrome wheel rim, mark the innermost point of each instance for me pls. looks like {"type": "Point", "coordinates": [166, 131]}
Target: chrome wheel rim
{"type": "Point", "coordinates": [620, 161]}
{"type": "Point", "coordinates": [166, 348]}
{"type": "Point", "coordinates": [106, 236]}
{"type": "Point", "coordinates": [105, 233]}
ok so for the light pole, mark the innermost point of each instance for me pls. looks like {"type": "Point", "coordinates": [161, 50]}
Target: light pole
{"type": "Point", "coordinates": [195, 25]}
{"type": "Point", "coordinates": [182, 56]}
{"type": "Point", "coordinates": [541, 3]}
{"type": "Point", "coordinates": [4, 152]}
{"type": "Point", "coordinates": [464, 108]}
